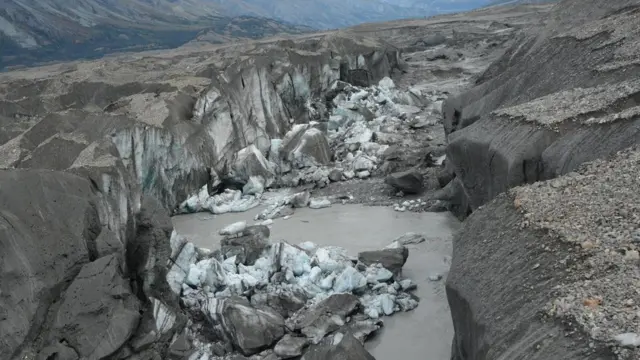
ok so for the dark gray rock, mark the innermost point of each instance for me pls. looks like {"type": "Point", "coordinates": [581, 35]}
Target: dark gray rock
{"type": "Point", "coordinates": [149, 354]}
{"type": "Point", "coordinates": [325, 317]}
{"type": "Point", "coordinates": [511, 323]}
{"type": "Point", "coordinates": [491, 151]}
{"type": "Point", "coordinates": [285, 301]}
{"type": "Point", "coordinates": [409, 181]}
{"type": "Point", "coordinates": [362, 327]}
{"type": "Point", "coordinates": [39, 244]}
{"type": "Point", "coordinates": [335, 175]}
{"type": "Point", "coordinates": [98, 312]}
{"type": "Point", "coordinates": [442, 54]}
{"type": "Point", "coordinates": [180, 348]}
{"type": "Point", "coordinates": [249, 329]}
{"type": "Point", "coordinates": [148, 253]}
{"type": "Point", "coordinates": [338, 347]}
{"type": "Point", "coordinates": [248, 246]}
{"type": "Point", "coordinates": [301, 199]}
{"type": "Point", "coordinates": [391, 259]}
{"type": "Point", "coordinates": [290, 346]}
{"type": "Point", "coordinates": [58, 351]}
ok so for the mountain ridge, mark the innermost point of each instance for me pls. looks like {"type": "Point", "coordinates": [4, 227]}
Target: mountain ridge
{"type": "Point", "coordinates": [34, 32]}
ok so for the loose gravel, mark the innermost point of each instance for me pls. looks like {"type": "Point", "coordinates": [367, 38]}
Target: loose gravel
{"type": "Point", "coordinates": [597, 209]}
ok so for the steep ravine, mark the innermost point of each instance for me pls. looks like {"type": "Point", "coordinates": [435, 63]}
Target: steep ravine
{"type": "Point", "coordinates": [251, 102]}
{"type": "Point", "coordinates": [104, 170]}
{"type": "Point", "coordinates": [111, 224]}
{"type": "Point", "coordinates": [525, 275]}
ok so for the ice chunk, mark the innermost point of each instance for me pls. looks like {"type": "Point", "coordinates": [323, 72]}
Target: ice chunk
{"type": "Point", "coordinates": [386, 83]}
{"type": "Point", "coordinates": [319, 203]}
{"type": "Point", "coordinates": [628, 339]}
{"type": "Point", "coordinates": [208, 272]}
{"type": "Point", "coordinates": [327, 282]}
{"type": "Point", "coordinates": [350, 280]}
{"type": "Point", "coordinates": [307, 245]}
{"type": "Point", "coordinates": [234, 228]}
{"type": "Point", "coordinates": [376, 274]}
{"type": "Point", "coordinates": [332, 258]}
{"type": "Point", "coordinates": [196, 202]}
{"type": "Point", "coordinates": [294, 259]}
{"type": "Point", "coordinates": [254, 186]}
{"type": "Point", "coordinates": [387, 302]}
{"type": "Point", "coordinates": [229, 265]}
{"type": "Point", "coordinates": [182, 264]}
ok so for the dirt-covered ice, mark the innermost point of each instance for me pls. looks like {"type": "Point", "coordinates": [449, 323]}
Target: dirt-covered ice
{"type": "Point", "coordinates": [423, 333]}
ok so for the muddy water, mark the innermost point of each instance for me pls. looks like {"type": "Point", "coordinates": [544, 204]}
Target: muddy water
{"type": "Point", "coordinates": [424, 333]}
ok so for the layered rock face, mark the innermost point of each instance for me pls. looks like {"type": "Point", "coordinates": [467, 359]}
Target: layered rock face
{"type": "Point", "coordinates": [90, 169]}
{"type": "Point", "coordinates": [531, 277]}
{"type": "Point", "coordinates": [89, 284]}
{"type": "Point", "coordinates": [553, 101]}
{"type": "Point", "coordinates": [167, 133]}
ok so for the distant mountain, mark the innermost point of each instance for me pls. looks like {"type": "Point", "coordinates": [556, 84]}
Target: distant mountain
{"type": "Point", "coordinates": [37, 31]}
{"type": "Point", "coordinates": [248, 27]}
{"type": "Point", "coordinates": [328, 14]}
{"type": "Point", "coordinates": [513, 2]}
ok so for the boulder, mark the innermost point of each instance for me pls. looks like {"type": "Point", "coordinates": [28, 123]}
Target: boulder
{"type": "Point", "coordinates": [361, 327]}
{"type": "Point", "coordinates": [339, 347]}
{"type": "Point", "coordinates": [248, 246]}
{"type": "Point", "coordinates": [249, 329]}
{"type": "Point", "coordinates": [251, 162]}
{"type": "Point", "coordinates": [98, 312]}
{"type": "Point", "coordinates": [325, 317]}
{"type": "Point", "coordinates": [180, 347]}
{"type": "Point", "coordinates": [285, 300]}
{"type": "Point", "coordinates": [305, 146]}
{"type": "Point", "coordinates": [335, 175]}
{"type": "Point", "coordinates": [409, 181]}
{"type": "Point", "coordinates": [319, 203]}
{"type": "Point", "coordinates": [300, 200]}
{"type": "Point", "coordinates": [392, 259]}
{"type": "Point", "coordinates": [290, 346]}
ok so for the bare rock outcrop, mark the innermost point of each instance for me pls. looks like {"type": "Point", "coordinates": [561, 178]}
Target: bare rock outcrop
{"type": "Point", "coordinates": [69, 286]}
{"type": "Point", "coordinates": [563, 255]}
{"type": "Point", "coordinates": [171, 130]}
{"type": "Point", "coordinates": [556, 100]}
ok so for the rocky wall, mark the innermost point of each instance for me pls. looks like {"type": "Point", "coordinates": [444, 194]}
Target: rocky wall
{"type": "Point", "coordinates": [590, 51]}
{"type": "Point", "coordinates": [554, 101]}
{"type": "Point", "coordinates": [84, 191]}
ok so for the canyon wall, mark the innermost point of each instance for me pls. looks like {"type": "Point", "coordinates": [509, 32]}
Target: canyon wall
{"type": "Point", "coordinates": [84, 242]}
{"type": "Point", "coordinates": [564, 96]}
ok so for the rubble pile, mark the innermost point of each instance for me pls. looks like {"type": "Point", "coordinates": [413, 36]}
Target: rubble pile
{"type": "Point", "coordinates": [360, 135]}
{"type": "Point", "coordinates": [261, 299]}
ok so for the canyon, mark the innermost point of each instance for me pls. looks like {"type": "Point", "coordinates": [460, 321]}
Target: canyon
{"type": "Point", "coordinates": [212, 201]}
